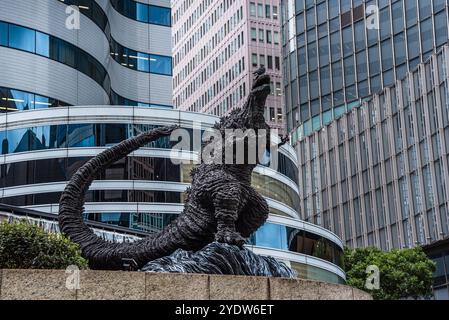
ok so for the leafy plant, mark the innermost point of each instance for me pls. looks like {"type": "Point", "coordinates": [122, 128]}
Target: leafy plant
{"type": "Point", "coordinates": [26, 246]}
{"type": "Point", "coordinates": [406, 273]}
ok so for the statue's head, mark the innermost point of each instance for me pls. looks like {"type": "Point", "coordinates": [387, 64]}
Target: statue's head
{"type": "Point", "coordinates": [259, 93]}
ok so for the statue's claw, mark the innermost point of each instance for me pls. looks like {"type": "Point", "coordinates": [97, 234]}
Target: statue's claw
{"type": "Point", "coordinates": [230, 237]}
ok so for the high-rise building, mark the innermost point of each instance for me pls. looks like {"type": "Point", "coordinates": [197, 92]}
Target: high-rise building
{"type": "Point", "coordinates": [217, 45]}
{"type": "Point", "coordinates": [378, 175]}
{"type": "Point", "coordinates": [351, 70]}
{"type": "Point", "coordinates": [338, 52]}
{"type": "Point", "coordinates": [366, 106]}
{"type": "Point", "coordinates": [66, 94]}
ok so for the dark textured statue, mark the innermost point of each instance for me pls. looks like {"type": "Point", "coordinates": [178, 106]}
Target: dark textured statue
{"type": "Point", "coordinates": [221, 205]}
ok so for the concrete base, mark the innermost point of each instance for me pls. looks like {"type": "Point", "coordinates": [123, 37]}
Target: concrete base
{"type": "Point", "coordinates": [117, 285]}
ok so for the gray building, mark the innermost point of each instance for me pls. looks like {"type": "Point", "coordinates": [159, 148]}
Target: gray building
{"type": "Point", "coordinates": [368, 117]}
{"type": "Point", "coordinates": [378, 174]}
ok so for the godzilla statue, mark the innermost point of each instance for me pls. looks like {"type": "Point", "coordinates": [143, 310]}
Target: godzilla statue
{"type": "Point", "coordinates": [221, 205]}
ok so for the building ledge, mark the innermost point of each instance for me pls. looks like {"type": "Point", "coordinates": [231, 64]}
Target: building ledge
{"type": "Point", "coordinates": [118, 285]}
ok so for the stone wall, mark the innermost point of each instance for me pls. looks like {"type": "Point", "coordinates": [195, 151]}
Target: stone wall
{"type": "Point", "coordinates": [117, 285]}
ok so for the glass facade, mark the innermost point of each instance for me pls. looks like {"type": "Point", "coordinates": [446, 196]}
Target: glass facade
{"type": "Point", "coordinates": [138, 11]}
{"type": "Point", "coordinates": [337, 53]}
{"type": "Point", "coordinates": [56, 49]}
{"type": "Point", "coordinates": [17, 100]}
{"type": "Point", "coordinates": [282, 237]}
{"type": "Point", "coordinates": [36, 42]}
{"type": "Point", "coordinates": [143, 12]}
{"type": "Point", "coordinates": [58, 170]}
{"type": "Point", "coordinates": [61, 169]}
{"type": "Point", "coordinates": [306, 271]}
{"type": "Point", "coordinates": [96, 135]}
{"type": "Point", "coordinates": [377, 176]}
{"type": "Point", "coordinates": [151, 63]}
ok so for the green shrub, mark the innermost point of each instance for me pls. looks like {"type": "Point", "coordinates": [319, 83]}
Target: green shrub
{"type": "Point", "coordinates": [26, 246]}
{"type": "Point", "coordinates": [405, 273]}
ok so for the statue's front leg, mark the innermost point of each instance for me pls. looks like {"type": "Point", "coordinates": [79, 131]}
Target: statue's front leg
{"type": "Point", "coordinates": [227, 203]}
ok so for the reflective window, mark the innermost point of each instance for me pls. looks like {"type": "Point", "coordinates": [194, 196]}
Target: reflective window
{"type": "Point", "coordinates": [413, 42]}
{"type": "Point", "coordinates": [347, 41]}
{"type": "Point", "coordinates": [143, 12]}
{"type": "Point", "coordinates": [21, 38]}
{"type": "Point", "coordinates": [441, 28]}
{"type": "Point", "coordinates": [160, 15]}
{"type": "Point", "coordinates": [387, 55]}
{"type": "Point", "coordinates": [427, 34]}
{"type": "Point", "coordinates": [141, 61]}
{"type": "Point", "coordinates": [39, 138]}
{"type": "Point", "coordinates": [398, 17]}
{"type": "Point", "coordinates": [98, 196]}
{"type": "Point", "coordinates": [15, 100]}
{"type": "Point", "coordinates": [400, 49]}
{"type": "Point", "coordinates": [68, 54]}
{"type": "Point", "coordinates": [252, 9]}
{"type": "Point", "coordinates": [160, 64]}
{"type": "Point", "coordinates": [359, 34]}
{"type": "Point", "coordinates": [93, 11]}
{"type": "Point", "coordinates": [43, 44]}
{"type": "Point", "coordinates": [271, 236]}
{"type": "Point", "coordinates": [3, 34]}
{"type": "Point", "coordinates": [287, 238]}
{"type": "Point", "coordinates": [276, 190]}
{"type": "Point", "coordinates": [122, 101]}
{"type": "Point", "coordinates": [26, 39]}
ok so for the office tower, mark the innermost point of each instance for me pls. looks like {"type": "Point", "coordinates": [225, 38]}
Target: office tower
{"type": "Point", "coordinates": [370, 139]}
{"type": "Point", "coordinates": [217, 45]}
{"type": "Point", "coordinates": [378, 174]}
{"type": "Point", "coordinates": [336, 53]}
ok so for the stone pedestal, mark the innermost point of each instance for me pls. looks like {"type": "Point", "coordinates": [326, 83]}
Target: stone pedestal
{"type": "Point", "coordinates": [118, 285]}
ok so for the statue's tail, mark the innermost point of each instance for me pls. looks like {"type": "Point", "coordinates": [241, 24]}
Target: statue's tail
{"type": "Point", "coordinates": [102, 254]}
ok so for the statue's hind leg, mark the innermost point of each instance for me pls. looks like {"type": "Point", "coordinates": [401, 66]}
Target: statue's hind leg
{"type": "Point", "coordinates": [254, 214]}
{"type": "Point", "coordinates": [228, 201]}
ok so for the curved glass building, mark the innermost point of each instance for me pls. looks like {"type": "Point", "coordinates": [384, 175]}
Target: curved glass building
{"type": "Point", "coordinates": [85, 52]}
{"type": "Point", "coordinates": [68, 91]}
